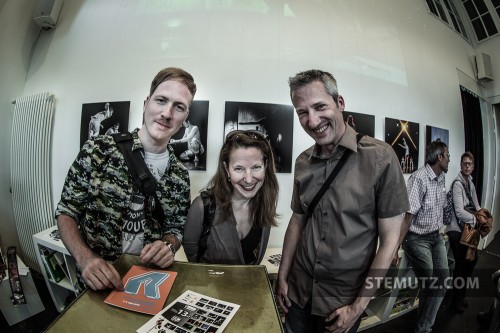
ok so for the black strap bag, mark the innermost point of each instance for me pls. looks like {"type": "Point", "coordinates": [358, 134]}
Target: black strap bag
{"type": "Point", "coordinates": [141, 176]}
{"type": "Point", "coordinates": [330, 178]}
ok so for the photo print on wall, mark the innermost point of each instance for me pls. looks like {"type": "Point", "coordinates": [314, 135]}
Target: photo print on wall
{"type": "Point", "coordinates": [360, 122]}
{"type": "Point", "coordinates": [275, 121]}
{"type": "Point", "coordinates": [403, 136]}
{"type": "Point", "coordinates": [103, 118]}
{"type": "Point", "coordinates": [436, 134]}
{"type": "Point", "coordinates": [190, 143]}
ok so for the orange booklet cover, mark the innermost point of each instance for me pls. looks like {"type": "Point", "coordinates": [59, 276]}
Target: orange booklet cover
{"type": "Point", "coordinates": [145, 290]}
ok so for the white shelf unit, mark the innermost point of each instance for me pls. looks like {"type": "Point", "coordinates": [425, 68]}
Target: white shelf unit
{"type": "Point", "coordinates": [66, 286]}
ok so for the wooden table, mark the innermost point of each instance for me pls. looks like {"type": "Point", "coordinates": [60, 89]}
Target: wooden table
{"type": "Point", "coordinates": [244, 285]}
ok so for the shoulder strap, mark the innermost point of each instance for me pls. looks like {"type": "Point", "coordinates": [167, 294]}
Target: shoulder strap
{"type": "Point", "coordinates": [141, 176]}
{"type": "Point", "coordinates": [467, 191]}
{"type": "Point", "coordinates": [208, 219]}
{"type": "Point", "coordinates": [450, 192]}
{"type": "Point", "coordinates": [331, 177]}
{"type": "Point", "coordinates": [453, 183]}
{"type": "Point", "coordinates": [460, 223]}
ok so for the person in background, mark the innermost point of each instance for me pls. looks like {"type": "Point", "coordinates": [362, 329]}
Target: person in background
{"type": "Point", "coordinates": [102, 214]}
{"type": "Point", "coordinates": [330, 257]}
{"type": "Point", "coordinates": [406, 164]}
{"type": "Point", "coordinates": [464, 203]}
{"type": "Point", "coordinates": [245, 191]}
{"type": "Point", "coordinates": [422, 242]}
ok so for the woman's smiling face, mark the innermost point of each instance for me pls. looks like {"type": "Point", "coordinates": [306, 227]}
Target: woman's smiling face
{"type": "Point", "coordinates": [246, 170]}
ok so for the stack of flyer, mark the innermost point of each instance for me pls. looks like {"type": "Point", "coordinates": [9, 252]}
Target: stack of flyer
{"type": "Point", "coordinates": [192, 312]}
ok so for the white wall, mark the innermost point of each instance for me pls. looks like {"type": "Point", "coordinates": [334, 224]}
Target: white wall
{"type": "Point", "coordinates": [492, 89]}
{"type": "Point", "coordinates": [17, 34]}
{"type": "Point", "coordinates": [390, 57]}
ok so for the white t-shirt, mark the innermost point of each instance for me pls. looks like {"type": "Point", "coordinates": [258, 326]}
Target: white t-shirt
{"type": "Point", "coordinates": [134, 220]}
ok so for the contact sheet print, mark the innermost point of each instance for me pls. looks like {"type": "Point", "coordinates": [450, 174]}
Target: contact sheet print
{"type": "Point", "coordinates": [192, 312]}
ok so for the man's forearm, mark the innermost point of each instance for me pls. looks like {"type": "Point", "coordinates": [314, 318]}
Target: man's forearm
{"type": "Point", "coordinates": [375, 275]}
{"type": "Point", "coordinates": [389, 229]}
{"type": "Point", "coordinates": [72, 239]}
{"type": "Point", "coordinates": [405, 226]}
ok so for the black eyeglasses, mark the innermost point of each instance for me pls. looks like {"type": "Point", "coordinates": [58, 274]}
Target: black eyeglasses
{"type": "Point", "coordinates": [467, 164]}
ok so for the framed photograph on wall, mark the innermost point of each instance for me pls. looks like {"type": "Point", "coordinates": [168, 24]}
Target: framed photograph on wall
{"type": "Point", "coordinates": [403, 136]}
{"type": "Point", "coordinates": [275, 121]}
{"type": "Point", "coordinates": [362, 123]}
{"type": "Point", "coordinates": [190, 143]}
{"type": "Point", "coordinates": [436, 134]}
{"type": "Point", "coordinates": [103, 118]}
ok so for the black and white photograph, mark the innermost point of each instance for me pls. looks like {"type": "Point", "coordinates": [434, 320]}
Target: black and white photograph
{"type": "Point", "coordinates": [184, 315]}
{"type": "Point", "coordinates": [103, 118]}
{"type": "Point", "coordinates": [274, 121]}
{"type": "Point", "coordinates": [436, 134]}
{"type": "Point", "coordinates": [403, 136]}
{"type": "Point", "coordinates": [190, 143]}
{"type": "Point", "coordinates": [360, 122]}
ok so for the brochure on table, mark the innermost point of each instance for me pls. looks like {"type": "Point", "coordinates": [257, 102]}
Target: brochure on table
{"type": "Point", "coordinates": [192, 312]}
{"type": "Point", "coordinates": [145, 290]}
{"type": "Point", "coordinates": [274, 259]}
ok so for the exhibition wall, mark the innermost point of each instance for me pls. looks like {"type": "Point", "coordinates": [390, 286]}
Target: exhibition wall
{"type": "Point", "coordinates": [391, 59]}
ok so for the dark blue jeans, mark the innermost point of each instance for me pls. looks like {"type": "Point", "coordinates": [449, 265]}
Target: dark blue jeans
{"type": "Point", "coordinates": [428, 258]}
{"type": "Point", "coordinates": [300, 320]}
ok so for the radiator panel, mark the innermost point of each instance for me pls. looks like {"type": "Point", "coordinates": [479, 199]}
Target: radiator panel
{"type": "Point", "coordinates": [30, 170]}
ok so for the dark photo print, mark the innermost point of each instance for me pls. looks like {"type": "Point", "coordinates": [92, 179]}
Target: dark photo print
{"type": "Point", "coordinates": [103, 118]}
{"type": "Point", "coordinates": [360, 122]}
{"type": "Point", "coordinates": [436, 134]}
{"type": "Point", "coordinates": [274, 121]}
{"type": "Point", "coordinates": [190, 143]}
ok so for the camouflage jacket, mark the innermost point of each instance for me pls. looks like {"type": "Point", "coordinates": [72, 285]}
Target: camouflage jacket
{"type": "Point", "coordinates": [98, 190]}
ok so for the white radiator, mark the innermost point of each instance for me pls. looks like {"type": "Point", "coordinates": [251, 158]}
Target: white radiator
{"type": "Point", "coordinates": [30, 170]}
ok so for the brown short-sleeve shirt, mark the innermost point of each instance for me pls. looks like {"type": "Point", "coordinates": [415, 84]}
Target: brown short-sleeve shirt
{"type": "Point", "coordinates": [339, 242]}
